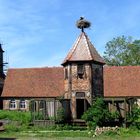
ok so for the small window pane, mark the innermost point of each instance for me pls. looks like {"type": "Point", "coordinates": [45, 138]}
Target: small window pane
{"type": "Point", "coordinates": [22, 104]}
{"type": "Point", "coordinates": [12, 104]}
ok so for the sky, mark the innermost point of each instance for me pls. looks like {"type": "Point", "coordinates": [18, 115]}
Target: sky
{"type": "Point", "coordinates": [40, 33]}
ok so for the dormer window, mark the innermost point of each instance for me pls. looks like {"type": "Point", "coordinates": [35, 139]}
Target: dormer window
{"type": "Point", "coordinates": [80, 70]}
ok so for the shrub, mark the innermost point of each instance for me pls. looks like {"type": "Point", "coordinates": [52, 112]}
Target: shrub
{"type": "Point", "coordinates": [17, 120]}
{"type": "Point", "coordinates": [98, 114]}
{"type": "Point", "coordinates": [60, 115]}
{"type": "Point", "coordinates": [134, 117]}
{"type": "Point", "coordinates": [22, 117]}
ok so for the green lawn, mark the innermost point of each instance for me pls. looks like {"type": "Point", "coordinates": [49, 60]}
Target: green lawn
{"type": "Point", "coordinates": [65, 135]}
{"type": "Point", "coordinates": [79, 138]}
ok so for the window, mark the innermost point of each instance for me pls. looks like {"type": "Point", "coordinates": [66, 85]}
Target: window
{"type": "Point", "coordinates": [22, 104]}
{"type": "Point", "coordinates": [42, 104]}
{"type": "Point", "coordinates": [12, 104]}
{"type": "Point", "coordinates": [33, 105]}
{"type": "Point", "coordinates": [66, 73]}
{"type": "Point", "coordinates": [80, 94]}
{"type": "Point", "coordinates": [80, 70]}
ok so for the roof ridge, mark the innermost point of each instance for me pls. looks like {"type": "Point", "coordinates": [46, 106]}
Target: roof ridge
{"type": "Point", "coordinates": [71, 51]}
{"type": "Point", "coordinates": [107, 66]}
{"type": "Point", "coordinates": [75, 45]}
{"type": "Point", "coordinates": [35, 68]}
{"type": "Point", "coordinates": [88, 40]}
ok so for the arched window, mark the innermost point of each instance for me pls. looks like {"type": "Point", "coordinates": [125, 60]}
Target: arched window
{"type": "Point", "coordinates": [12, 104]}
{"type": "Point", "coordinates": [22, 104]}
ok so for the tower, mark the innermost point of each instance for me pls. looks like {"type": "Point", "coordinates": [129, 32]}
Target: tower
{"type": "Point", "coordinates": [83, 73]}
{"type": "Point", "coordinates": [2, 75]}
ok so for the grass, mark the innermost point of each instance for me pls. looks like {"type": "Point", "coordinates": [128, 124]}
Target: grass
{"type": "Point", "coordinates": [122, 134]}
{"type": "Point", "coordinates": [19, 128]}
{"type": "Point", "coordinates": [44, 134]}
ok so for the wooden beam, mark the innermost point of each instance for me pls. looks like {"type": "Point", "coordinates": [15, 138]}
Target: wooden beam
{"type": "Point", "coordinates": [125, 113]}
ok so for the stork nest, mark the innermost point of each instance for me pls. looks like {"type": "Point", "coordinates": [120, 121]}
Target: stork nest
{"type": "Point", "coordinates": [83, 23]}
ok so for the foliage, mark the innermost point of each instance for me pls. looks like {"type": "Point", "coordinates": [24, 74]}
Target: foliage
{"type": "Point", "coordinates": [38, 116]}
{"type": "Point", "coordinates": [128, 132]}
{"type": "Point", "coordinates": [134, 116]}
{"type": "Point", "coordinates": [122, 51]}
{"type": "Point", "coordinates": [60, 117]}
{"type": "Point", "coordinates": [22, 117]}
{"type": "Point", "coordinates": [98, 114]}
{"type": "Point", "coordinates": [15, 121]}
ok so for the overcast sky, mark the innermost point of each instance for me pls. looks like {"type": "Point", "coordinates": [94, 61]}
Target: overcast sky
{"type": "Point", "coordinates": [39, 33]}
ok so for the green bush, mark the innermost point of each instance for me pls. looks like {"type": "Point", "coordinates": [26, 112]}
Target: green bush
{"type": "Point", "coordinates": [22, 117]}
{"type": "Point", "coordinates": [17, 120]}
{"type": "Point", "coordinates": [134, 117]}
{"type": "Point", "coordinates": [98, 114]}
{"type": "Point", "coordinates": [60, 117]}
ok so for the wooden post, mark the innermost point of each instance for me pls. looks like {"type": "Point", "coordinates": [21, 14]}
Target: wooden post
{"type": "Point", "coordinates": [34, 109]}
{"type": "Point", "coordinates": [54, 110]}
{"type": "Point", "coordinates": [91, 83]}
{"type": "Point", "coordinates": [125, 112]}
{"type": "Point", "coordinates": [70, 79]}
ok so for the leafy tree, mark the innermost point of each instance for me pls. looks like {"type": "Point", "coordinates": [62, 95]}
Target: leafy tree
{"type": "Point", "coordinates": [122, 51]}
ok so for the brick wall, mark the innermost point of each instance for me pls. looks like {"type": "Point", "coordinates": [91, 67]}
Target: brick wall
{"type": "Point", "coordinates": [74, 83]}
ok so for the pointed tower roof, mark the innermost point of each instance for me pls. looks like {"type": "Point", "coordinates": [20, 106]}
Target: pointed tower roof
{"type": "Point", "coordinates": [1, 50]}
{"type": "Point", "coordinates": [83, 50]}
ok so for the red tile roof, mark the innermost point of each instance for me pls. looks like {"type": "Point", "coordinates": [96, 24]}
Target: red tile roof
{"type": "Point", "coordinates": [122, 81]}
{"type": "Point", "coordinates": [119, 81]}
{"type": "Point", "coordinates": [83, 50]}
{"type": "Point", "coordinates": [1, 83]}
{"type": "Point", "coordinates": [34, 82]}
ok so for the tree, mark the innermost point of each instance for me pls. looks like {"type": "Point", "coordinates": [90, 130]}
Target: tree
{"type": "Point", "coordinates": [122, 51]}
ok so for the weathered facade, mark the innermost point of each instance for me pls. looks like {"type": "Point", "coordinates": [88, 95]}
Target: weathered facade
{"type": "Point", "coordinates": [83, 80]}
